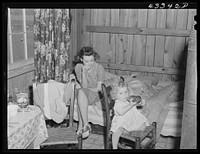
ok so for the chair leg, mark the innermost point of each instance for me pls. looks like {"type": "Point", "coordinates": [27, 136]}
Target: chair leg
{"type": "Point", "coordinates": [108, 141]}
{"type": "Point", "coordinates": [137, 143]}
{"type": "Point", "coordinates": [80, 142]}
{"type": "Point", "coordinates": [154, 134]}
{"type": "Point", "coordinates": [153, 137]}
{"type": "Point", "coordinates": [110, 145]}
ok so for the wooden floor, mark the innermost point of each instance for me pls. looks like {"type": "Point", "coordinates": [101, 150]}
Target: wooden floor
{"type": "Point", "coordinates": [95, 141]}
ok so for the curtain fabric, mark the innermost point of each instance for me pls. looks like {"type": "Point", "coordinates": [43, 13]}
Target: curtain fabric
{"type": "Point", "coordinates": [51, 44]}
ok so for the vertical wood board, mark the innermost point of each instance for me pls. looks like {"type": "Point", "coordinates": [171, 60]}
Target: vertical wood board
{"type": "Point", "coordinates": [132, 13]}
{"type": "Point", "coordinates": [74, 34]}
{"type": "Point", "coordinates": [105, 36]}
{"type": "Point", "coordinates": [169, 42]}
{"type": "Point", "coordinates": [114, 37]}
{"type": "Point", "coordinates": [160, 41]}
{"type": "Point", "coordinates": [79, 24]}
{"type": "Point", "coordinates": [142, 22]}
{"type": "Point", "coordinates": [86, 21]}
{"type": "Point", "coordinates": [180, 41]}
{"type": "Point", "coordinates": [150, 46]}
{"type": "Point", "coordinates": [140, 44]}
{"type": "Point", "coordinates": [98, 37]}
{"type": "Point", "coordinates": [122, 38]}
{"type": "Point", "coordinates": [180, 46]}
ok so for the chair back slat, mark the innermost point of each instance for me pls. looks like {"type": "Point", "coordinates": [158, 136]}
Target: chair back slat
{"type": "Point", "coordinates": [106, 102]}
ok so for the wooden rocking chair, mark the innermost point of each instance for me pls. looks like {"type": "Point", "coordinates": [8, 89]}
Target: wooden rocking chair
{"type": "Point", "coordinates": [137, 139]}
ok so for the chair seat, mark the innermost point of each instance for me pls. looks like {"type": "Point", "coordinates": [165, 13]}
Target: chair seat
{"type": "Point", "coordinates": [141, 134]}
{"type": "Point", "coordinates": [61, 135]}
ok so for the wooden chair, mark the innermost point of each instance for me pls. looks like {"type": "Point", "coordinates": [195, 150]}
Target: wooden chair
{"type": "Point", "coordinates": [135, 139]}
{"type": "Point", "coordinates": [64, 135]}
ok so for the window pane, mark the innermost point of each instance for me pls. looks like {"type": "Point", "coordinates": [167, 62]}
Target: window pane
{"type": "Point", "coordinates": [16, 20]}
{"type": "Point", "coordinates": [30, 44]}
{"type": "Point", "coordinates": [18, 47]}
{"type": "Point", "coordinates": [29, 19]}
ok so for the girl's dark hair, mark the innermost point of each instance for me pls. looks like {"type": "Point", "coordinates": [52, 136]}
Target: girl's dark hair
{"type": "Point", "coordinates": [85, 51]}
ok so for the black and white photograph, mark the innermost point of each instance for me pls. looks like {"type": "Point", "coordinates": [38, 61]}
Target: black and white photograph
{"type": "Point", "coordinates": [104, 77]}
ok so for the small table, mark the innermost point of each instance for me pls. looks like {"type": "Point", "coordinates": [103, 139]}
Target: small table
{"type": "Point", "coordinates": [27, 128]}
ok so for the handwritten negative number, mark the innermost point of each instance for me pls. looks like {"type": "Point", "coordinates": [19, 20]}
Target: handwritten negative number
{"type": "Point", "coordinates": [169, 6]}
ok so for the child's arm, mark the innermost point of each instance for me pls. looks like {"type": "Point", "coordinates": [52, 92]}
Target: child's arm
{"type": "Point", "coordinates": [122, 110]}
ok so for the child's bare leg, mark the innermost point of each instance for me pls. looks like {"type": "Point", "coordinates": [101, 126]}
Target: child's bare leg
{"type": "Point", "coordinates": [115, 137]}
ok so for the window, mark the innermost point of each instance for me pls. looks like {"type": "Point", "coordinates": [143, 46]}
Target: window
{"type": "Point", "coordinates": [20, 39]}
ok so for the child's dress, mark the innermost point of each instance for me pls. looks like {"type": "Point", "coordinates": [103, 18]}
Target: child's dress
{"type": "Point", "coordinates": [130, 121]}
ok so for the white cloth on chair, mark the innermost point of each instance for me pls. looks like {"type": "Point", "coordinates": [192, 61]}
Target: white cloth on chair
{"type": "Point", "coordinates": [49, 97]}
{"type": "Point", "coordinates": [46, 102]}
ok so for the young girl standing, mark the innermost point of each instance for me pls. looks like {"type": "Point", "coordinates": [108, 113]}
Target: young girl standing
{"type": "Point", "coordinates": [127, 117]}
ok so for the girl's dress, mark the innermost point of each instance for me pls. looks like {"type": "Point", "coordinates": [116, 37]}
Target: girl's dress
{"type": "Point", "coordinates": [130, 121]}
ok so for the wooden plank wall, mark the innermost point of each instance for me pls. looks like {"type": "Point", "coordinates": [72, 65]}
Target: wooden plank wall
{"type": "Point", "coordinates": [141, 50]}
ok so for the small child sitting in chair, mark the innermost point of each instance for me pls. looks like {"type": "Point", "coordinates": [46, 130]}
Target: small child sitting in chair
{"type": "Point", "coordinates": [126, 115]}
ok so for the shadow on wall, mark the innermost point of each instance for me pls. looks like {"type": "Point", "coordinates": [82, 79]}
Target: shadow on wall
{"type": "Point", "coordinates": [182, 66]}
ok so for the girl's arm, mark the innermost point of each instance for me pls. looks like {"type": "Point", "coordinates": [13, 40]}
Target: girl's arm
{"type": "Point", "coordinates": [122, 110]}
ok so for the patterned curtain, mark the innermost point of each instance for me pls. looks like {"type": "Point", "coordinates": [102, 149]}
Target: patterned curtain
{"type": "Point", "coordinates": [51, 44]}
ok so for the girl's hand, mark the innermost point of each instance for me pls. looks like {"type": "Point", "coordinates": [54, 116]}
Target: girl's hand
{"type": "Point", "coordinates": [134, 99]}
{"type": "Point", "coordinates": [133, 103]}
{"type": "Point", "coordinates": [141, 103]}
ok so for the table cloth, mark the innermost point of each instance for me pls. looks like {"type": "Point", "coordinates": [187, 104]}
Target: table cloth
{"type": "Point", "coordinates": [27, 127]}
